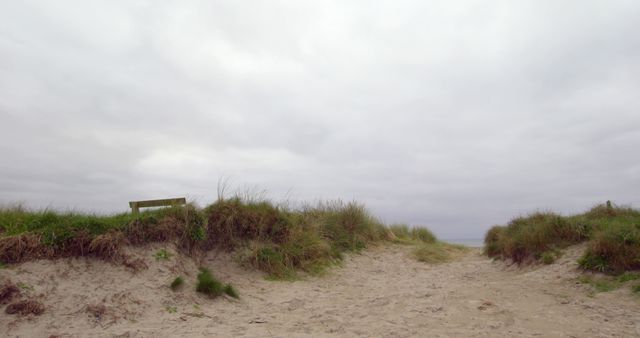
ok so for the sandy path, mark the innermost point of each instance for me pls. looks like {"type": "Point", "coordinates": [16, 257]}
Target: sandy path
{"type": "Point", "coordinates": [379, 293]}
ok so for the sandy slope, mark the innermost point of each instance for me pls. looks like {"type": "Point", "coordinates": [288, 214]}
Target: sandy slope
{"type": "Point", "coordinates": [379, 293]}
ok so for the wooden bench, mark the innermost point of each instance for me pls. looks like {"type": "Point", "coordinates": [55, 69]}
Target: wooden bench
{"type": "Point", "coordinates": [136, 205]}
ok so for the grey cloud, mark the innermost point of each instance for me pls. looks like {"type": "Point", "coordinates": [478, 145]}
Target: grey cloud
{"type": "Point", "coordinates": [452, 115]}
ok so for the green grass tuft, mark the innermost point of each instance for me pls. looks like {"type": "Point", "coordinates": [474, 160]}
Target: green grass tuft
{"type": "Point", "coordinates": [208, 284]}
{"type": "Point", "coordinates": [212, 287]}
{"type": "Point", "coordinates": [230, 291]}
{"type": "Point", "coordinates": [162, 255]}
{"type": "Point", "coordinates": [177, 283]}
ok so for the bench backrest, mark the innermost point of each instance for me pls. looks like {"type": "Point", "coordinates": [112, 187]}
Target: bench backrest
{"type": "Point", "coordinates": [136, 205]}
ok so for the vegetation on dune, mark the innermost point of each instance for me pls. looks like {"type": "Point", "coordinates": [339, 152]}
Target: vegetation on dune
{"type": "Point", "coordinates": [403, 234]}
{"type": "Point", "coordinates": [162, 255]}
{"type": "Point", "coordinates": [278, 240]}
{"type": "Point", "coordinates": [612, 233]}
{"type": "Point", "coordinates": [604, 283]}
{"type": "Point", "coordinates": [212, 287]}
{"type": "Point", "coordinates": [30, 235]}
{"type": "Point", "coordinates": [438, 252]}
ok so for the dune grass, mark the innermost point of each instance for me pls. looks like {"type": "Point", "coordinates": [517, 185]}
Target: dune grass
{"type": "Point", "coordinates": [612, 233]}
{"type": "Point", "coordinates": [604, 283]}
{"type": "Point", "coordinates": [438, 252]}
{"type": "Point", "coordinates": [27, 235]}
{"type": "Point", "coordinates": [280, 241]}
{"type": "Point", "coordinates": [212, 287]}
{"type": "Point", "coordinates": [402, 233]}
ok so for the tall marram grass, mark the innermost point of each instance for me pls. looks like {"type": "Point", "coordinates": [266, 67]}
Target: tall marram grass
{"type": "Point", "coordinates": [278, 240]}
{"type": "Point", "coordinates": [403, 234]}
{"type": "Point", "coordinates": [612, 233]}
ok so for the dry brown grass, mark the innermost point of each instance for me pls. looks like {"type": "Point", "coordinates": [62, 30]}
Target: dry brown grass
{"type": "Point", "coordinates": [146, 231]}
{"type": "Point", "coordinates": [135, 264]}
{"type": "Point", "coordinates": [8, 291]}
{"type": "Point", "coordinates": [107, 246]}
{"type": "Point", "coordinates": [23, 247]}
{"type": "Point", "coordinates": [25, 307]}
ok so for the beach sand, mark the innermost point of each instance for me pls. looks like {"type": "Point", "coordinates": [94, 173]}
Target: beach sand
{"type": "Point", "coordinates": [381, 292]}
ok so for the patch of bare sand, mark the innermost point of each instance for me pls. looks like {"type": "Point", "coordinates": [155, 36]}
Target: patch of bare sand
{"type": "Point", "coordinates": [381, 292]}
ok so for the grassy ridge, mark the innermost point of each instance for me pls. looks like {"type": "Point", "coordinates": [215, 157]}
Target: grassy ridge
{"type": "Point", "coordinates": [612, 233]}
{"type": "Point", "coordinates": [277, 240]}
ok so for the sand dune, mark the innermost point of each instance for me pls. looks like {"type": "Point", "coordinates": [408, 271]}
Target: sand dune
{"type": "Point", "coordinates": [381, 292]}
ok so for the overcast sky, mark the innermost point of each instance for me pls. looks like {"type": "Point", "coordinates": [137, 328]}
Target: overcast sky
{"type": "Point", "coordinates": [456, 115]}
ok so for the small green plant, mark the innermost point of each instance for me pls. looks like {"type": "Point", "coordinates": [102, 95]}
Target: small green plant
{"type": "Point", "coordinates": [162, 255]}
{"type": "Point", "coordinates": [177, 283]}
{"type": "Point", "coordinates": [208, 284]}
{"type": "Point", "coordinates": [212, 287]}
{"type": "Point", "coordinates": [171, 309]}
{"type": "Point", "coordinates": [231, 291]}
{"type": "Point", "coordinates": [593, 262]}
{"type": "Point", "coordinates": [2, 266]}
{"type": "Point", "coordinates": [636, 289]}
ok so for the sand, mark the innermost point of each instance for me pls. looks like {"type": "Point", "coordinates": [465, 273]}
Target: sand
{"type": "Point", "coordinates": [381, 292]}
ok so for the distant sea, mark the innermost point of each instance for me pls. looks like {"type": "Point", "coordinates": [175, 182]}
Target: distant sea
{"type": "Point", "coordinates": [472, 242]}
